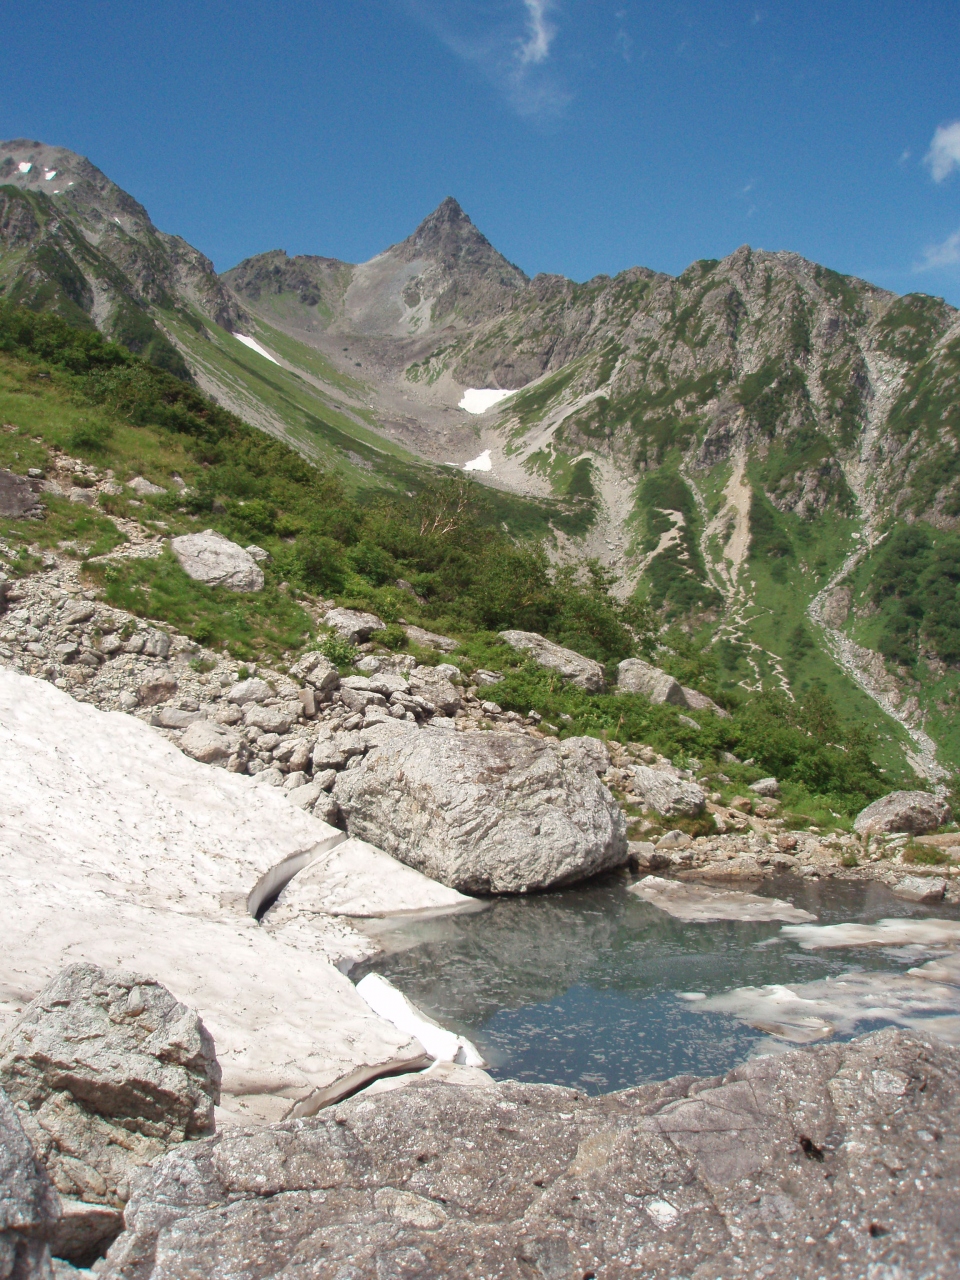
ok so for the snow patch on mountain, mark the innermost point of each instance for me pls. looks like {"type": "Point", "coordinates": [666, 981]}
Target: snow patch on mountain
{"type": "Point", "coordinates": [479, 400]}
{"type": "Point", "coordinates": [255, 346]}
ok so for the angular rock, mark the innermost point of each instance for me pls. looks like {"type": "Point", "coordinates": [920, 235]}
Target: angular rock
{"type": "Point", "coordinates": [636, 676]}
{"type": "Point", "coordinates": [768, 787]}
{"type": "Point", "coordinates": [257, 553]}
{"type": "Point", "coordinates": [916, 812]}
{"type": "Point", "coordinates": [483, 677]}
{"type": "Point", "coordinates": [208, 743]}
{"type": "Point", "coordinates": [700, 702]}
{"type": "Point", "coordinates": [666, 792]}
{"type": "Point", "coordinates": [920, 888]}
{"type": "Point", "coordinates": [107, 1071]}
{"type": "Point", "coordinates": [144, 487]}
{"type": "Point", "coordinates": [157, 688]}
{"type": "Point", "coordinates": [433, 688]}
{"type": "Point", "coordinates": [252, 690]}
{"type": "Point", "coordinates": [211, 558]}
{"type": "Point", "coordinates": [485, 812]}
{"type": "Point", "coordinates": [430, 639]}
{"type": "Point", "coordinates": [17, 496]}
{"type": "Point", "coordinates": [574, 667]}
{"type": "Point", "coordinates": [353, 625]}
{"type": "Point", "coordinates": [29, 1206]}
{"type": "Point", "coordinates": [271, 719]}
{"type": "Point", "coordinates": [815, 1156]}
{"type": "Point", "coordinates": [317, 671]}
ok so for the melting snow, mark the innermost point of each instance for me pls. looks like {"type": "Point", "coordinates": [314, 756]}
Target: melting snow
{"type": "Point", "coordinates": [50, 174]}
{"type": "Point", "coordinates": [24, 166]}
{"type": "Point", "coordinates": [479, 401]}
{"type": "Point", "coordinates": [482, 463]}
{"type": "Point", "coordinates": [255, 346]}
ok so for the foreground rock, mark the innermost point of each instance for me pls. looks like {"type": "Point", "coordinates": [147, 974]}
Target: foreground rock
{"type": "Point", "coordinates": [835, 1162]}
{"type": "Point", "coordinates": [697, 903]}
{"type": "Point", "coordinates": [574, 667]}
{"type": "Point", "coordinates": [108, 1071]}
{"type": "Point", "coordinates": [121, 851]}
{"type": "Point", "coordinates": [29, 1206]}
{"type": "Point", "coordinates": [211, 558]}
{"type": "Point", "coordinates": [486, 812]}
{"type": "Point", "coordinates": [916, 812]}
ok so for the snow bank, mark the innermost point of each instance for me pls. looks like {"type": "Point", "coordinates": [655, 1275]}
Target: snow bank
{"type": "Point", "coordinates": [884, 933]}
{"type": "Point", "coordinates": [255, 346]}
{"type": "Point", "coordinates": [24, 166]}
{"type": "Point", "coordinates": [390, 1003]}
{"type": "Point", "coordinates": [482, 463]}
{"type": "Point", "coordinates": [479, 400]}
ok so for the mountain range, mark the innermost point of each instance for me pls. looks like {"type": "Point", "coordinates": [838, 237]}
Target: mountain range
{"type": "Point", "coordinates": [767, 450]}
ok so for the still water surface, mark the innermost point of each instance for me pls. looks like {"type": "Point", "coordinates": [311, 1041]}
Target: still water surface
{"type": "Point", "coordinates": [580, 987]}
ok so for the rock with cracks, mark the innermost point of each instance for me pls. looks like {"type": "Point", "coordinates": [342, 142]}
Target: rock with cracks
{"type": "Point", "coordinates": [838, 1161]}
{"type": "Point", "coordinates": [211, 558]}
{"type": "Point", "coordinates": [916, 812]}
{"type": "Point", "coordinates": [636, 676]}
{"type": "Point", "coordinates": [108, 1071]}
{"type": "Point", "coordinates": [29, 1206]}
{"type": "Point", "coordinates": [574, 667]}
{"type": "Point", "coordinates": [485, 812]}
{"type": "Point", "coordinates": [666, 792]}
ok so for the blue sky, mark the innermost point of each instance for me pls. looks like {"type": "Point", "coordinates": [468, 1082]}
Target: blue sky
{"type": "Point", "coordinates": [581, 136]}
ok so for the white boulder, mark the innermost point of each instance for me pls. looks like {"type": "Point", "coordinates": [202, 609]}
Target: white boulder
{"type": "Point", "coordinates": [211, 558]}
{"type": "Point", "coordinates": [916, 812]}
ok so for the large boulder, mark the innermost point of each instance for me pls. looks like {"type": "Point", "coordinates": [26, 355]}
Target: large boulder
{"type": "Point", "coordinates": [916, 812]}
{"type": "Point", "coordinates": [29, 1206]}
{"type": "Point", "coordinates": [353, 625]}
{"type": "Point", "coordinates": [430, 639]}
{"type": "Point", "coordinates": [574, 667]}
{"type": "Point", "coordinates": [485, 812]}
{"type": "Point", "coordinates": [667, 792]}
{"type": "Point", "coordinates": [211, 558]}
{"type": "Point", "coordinates": [108, 1071]}
{"type": "Point", "coordinates": [636, 676]}
{"type": "Point", "coordinates": [18, 497]}
{"type": "Point", "coordinates": [833, 1161]}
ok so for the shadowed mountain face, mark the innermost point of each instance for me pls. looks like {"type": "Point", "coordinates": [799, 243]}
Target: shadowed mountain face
{"type": "Point", "coordinates": [768, 451]}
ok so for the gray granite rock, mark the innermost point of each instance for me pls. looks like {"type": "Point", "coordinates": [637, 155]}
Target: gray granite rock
{"type": "Point", "coordinates": [29, 1205]}
{"type": "Point", "coordinates": [107, 1071]}
{"type": "Point", "coordinates": [666, 792]}
{"type": "Point", "coordinates": [916, 812]}
{"type": "Point", "coordinates": [484, 812]}
{"type": "Point", "coordinates": [353, 625]}
{"type": "Point", "coordinates": [211, 558]}
{"type": "Point", "coordinates": [636, 676]}
{"type": "Point", "coordinates": [833, 1163]}
{"type": "Point", "coordinates": [574, 667]}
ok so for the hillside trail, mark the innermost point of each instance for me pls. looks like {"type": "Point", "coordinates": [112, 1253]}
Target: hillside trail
{"type": "Point", "coordinates": [731, 525]}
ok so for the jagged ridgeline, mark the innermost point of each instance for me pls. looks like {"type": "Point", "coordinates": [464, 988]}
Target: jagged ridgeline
{"type": "Point", "coordinates": [763, 451]}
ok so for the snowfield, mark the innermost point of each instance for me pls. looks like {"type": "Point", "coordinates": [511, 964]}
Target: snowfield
{"type": "Point", "coordinates": [479, 400]}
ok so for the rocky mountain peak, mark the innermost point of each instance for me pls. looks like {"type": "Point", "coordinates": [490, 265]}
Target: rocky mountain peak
{"type": "Point", "coordinates": [449, 238]}
{"type": "Point", "coordinates": [57, 171]}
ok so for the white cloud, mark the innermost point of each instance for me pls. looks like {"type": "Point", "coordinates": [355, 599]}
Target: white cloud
{"type": "Point", "coordinates": [944, 254]}
{"type": "Point", "coordinates": [540, 32]}
{"type": "Point", "coordinates": [510, 42]}
{"type": "Point", "coordinates": [944, 154]}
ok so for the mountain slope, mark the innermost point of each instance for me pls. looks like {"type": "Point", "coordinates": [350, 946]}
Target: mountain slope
{"type": "Point", "coordinates": [741, 444]}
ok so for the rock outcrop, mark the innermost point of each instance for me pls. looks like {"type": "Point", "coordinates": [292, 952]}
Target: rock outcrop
{"type": "Point", "coordinates": [108, 1071]}
{"type": "Point", "coordinates": [486, 812]}
{"type": "Point", "coordinates": [29, 1205]}
{"type": "Point", "coordinates": [214, 560]}
{"type": "Point", "coordinates": [574, 667]}
{"type": "Point", "coordinates": [664, 790]}
{"type": "Point", "coordinates": [636, 676]}
{"type": "Point", "coordinates": [353, 625]}
{"type": "Point", "coordinates": [838, 1161]}
{"type": "Point", "coordinates": [916, 812]}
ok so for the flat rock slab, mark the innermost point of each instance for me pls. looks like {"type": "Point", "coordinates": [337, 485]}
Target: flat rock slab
{"type": "Point", "coordinates": [695, 902]}
{"type": "Point", "coordinates": [120, 850]}
{"type": "Point", "coordinates": [838, 1161]}
{"type": "Point", "coordinates": [211, 558]}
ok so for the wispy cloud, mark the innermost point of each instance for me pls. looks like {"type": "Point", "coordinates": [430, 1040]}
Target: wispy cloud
{"type": "Point", "coordinates": [944, 254]}
{"type": "Point", "coordinates": [540, 32]}
{"type": "Point", "coordinates": [944, 154]}
{"type": "Point", "coordinates": [509, 41]}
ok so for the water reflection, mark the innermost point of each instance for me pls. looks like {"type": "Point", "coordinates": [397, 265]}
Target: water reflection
{"type": "Point", "coordinates": [579, 987]}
